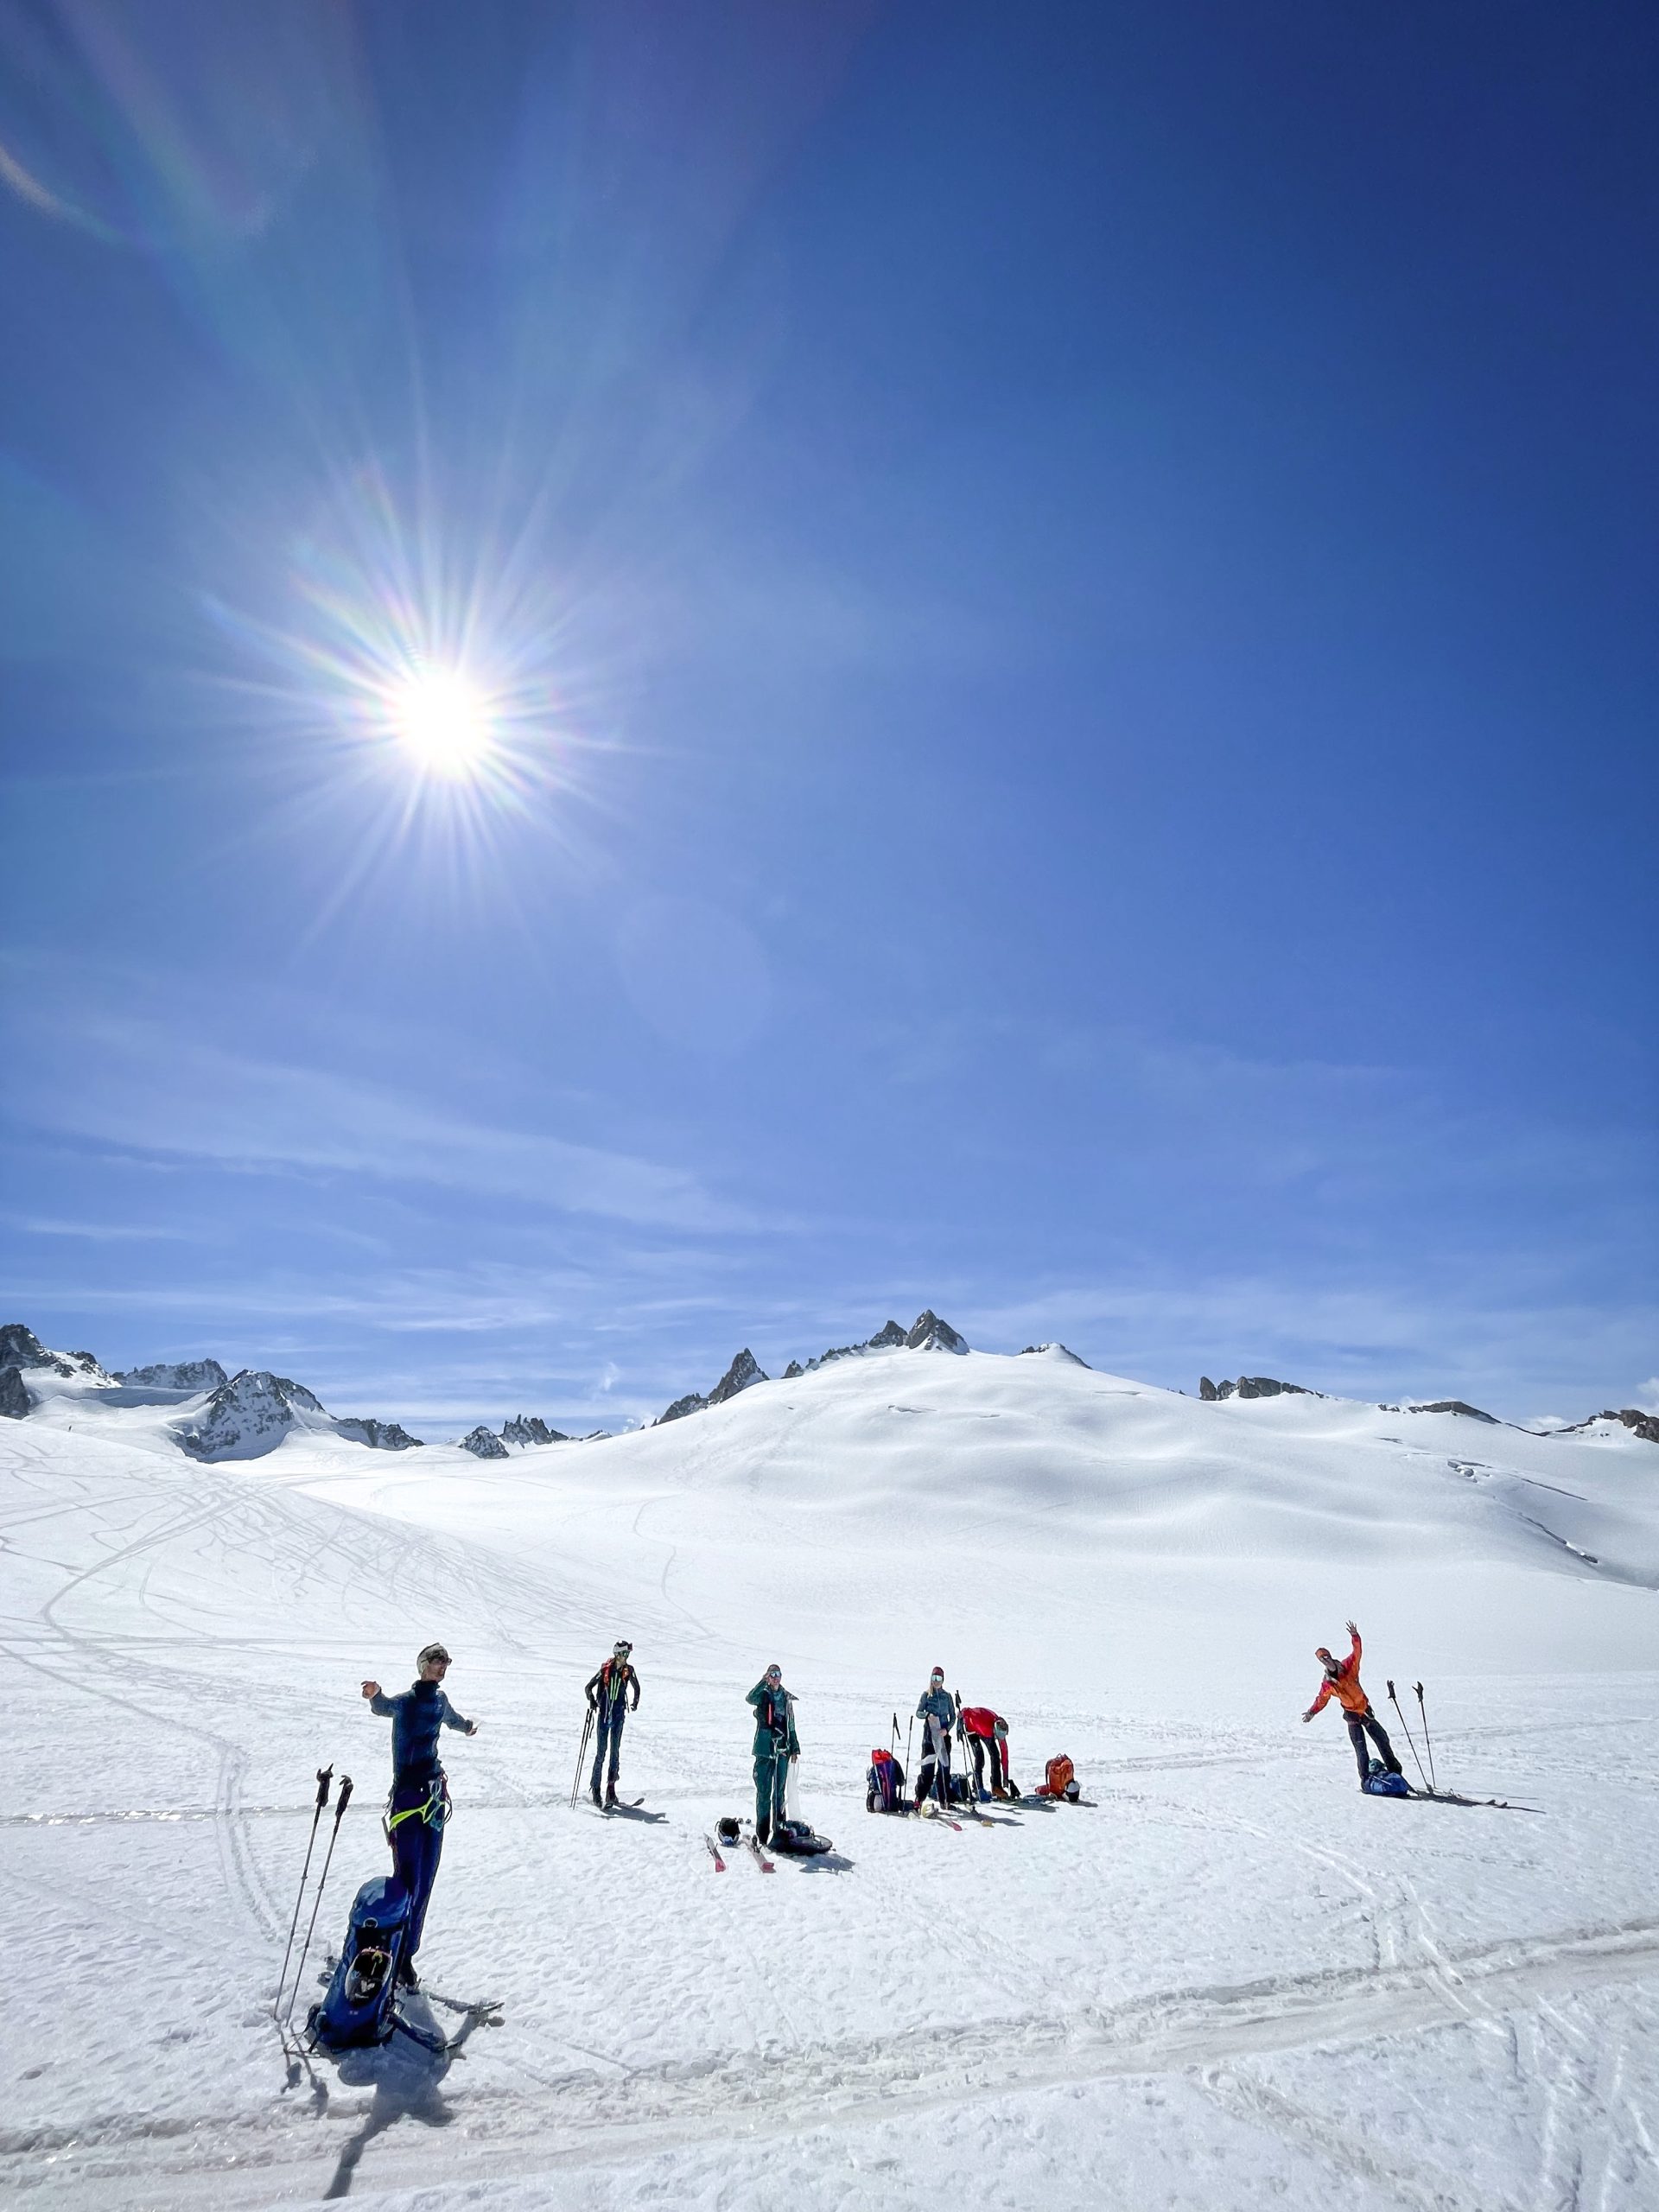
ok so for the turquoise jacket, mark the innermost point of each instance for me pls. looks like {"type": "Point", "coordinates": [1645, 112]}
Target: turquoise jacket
{"type": "Point", "coordinates": [774, 1722]}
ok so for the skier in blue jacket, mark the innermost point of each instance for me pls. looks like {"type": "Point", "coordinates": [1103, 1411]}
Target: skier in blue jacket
{"type": "Point", "coordinates": [937, 1712]}
{"type": "Point", "coordinates": [419, 1804]}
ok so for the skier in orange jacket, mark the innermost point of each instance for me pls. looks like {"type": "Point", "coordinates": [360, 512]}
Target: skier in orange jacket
{"type": "Point", "coordinates": [1342, 1682]}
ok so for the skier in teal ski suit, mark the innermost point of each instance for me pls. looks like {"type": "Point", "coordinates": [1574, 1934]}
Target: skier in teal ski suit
{"type": "Point", "coordinates": [775, 1745]}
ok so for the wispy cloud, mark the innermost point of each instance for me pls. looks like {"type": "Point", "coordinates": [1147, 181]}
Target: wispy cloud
{"type": "Point", "coordinates": [159, 1092]}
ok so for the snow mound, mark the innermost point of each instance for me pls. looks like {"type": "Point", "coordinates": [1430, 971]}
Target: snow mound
{"type": "Point", "coordinates": [1053, 1352]}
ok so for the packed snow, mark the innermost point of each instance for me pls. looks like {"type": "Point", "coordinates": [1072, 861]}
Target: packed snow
{"type": "Point", "coordinates": [1228, 1978]}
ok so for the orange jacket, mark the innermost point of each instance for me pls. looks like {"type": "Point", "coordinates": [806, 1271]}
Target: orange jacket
{"type": "Point", "coordinates": [1343, 1686]}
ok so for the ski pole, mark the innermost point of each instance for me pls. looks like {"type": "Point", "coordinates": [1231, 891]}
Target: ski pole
{"type": "Point", "coordinates": [587, 1731]}
{"type": "Point", "coordinates": [1410, 1738]}
{"type": "Point", "coordinates": [343, 1801]}
{"type": "Point", "coordinates": [1428, 1741]}
{"type": "Point", "coordinates": [909, 1771]}
{"type": "Point", "coordinates": [325, 1778]}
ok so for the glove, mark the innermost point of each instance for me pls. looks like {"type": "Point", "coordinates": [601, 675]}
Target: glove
{"type": "Point", "coordinates": [1307, 1716]}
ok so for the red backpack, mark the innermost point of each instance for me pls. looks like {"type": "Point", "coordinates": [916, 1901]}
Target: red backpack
{"type": "Point", "coordinates": [1057, 1777]}
{"type": "Point", "coordinates": [885, 1788]}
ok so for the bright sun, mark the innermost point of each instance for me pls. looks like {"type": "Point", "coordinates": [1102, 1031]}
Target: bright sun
{"type": "Point", "coordinates": [445, 721]}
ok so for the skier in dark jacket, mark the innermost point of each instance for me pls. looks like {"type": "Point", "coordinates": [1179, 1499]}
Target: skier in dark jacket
{"type": "Point", "coordinates": [775, 1745]}
{"type": "Point", "coordinates": [419, 1804]}
{"type": "Point", "coordinates": [937, 1713]}
{"type": "Point", "coordinates": [612, 1693]}
{"type": "Point", "coordinates": [1342, 1682]}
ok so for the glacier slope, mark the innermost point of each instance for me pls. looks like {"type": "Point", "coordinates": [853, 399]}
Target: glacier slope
{"type": "Point", "coordinates": [1232, 1980]}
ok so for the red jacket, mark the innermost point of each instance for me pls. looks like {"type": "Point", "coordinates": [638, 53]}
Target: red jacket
{"type": "Point", "coordinates": [1343, 1686]}
{"type": "Point", "coordinates": [979, 1721]}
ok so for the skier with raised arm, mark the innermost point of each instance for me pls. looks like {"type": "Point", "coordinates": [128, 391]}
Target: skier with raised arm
{"type": "Point", "coordinates": [1342, 1682]}
{"type": "Point", "coordinates": [419, 1805]}
{"type": "Point", "coordinates": [611, 1694]}
{"type": "Point", "coordinates": [775, 1746]}
{"type": "Point", "coordinates": [937, 1713]}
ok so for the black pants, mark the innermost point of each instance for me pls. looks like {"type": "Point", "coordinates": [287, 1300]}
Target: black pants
{"type": "Point", "coordinates": [933, 1775]}
{"type": "Point", "coordinates": [997, 1752]}
{"type": "Point", "coordinates": [1357, 1724]}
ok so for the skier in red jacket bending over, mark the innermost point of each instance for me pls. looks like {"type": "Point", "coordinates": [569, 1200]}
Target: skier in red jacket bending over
{"type": "Point", "coordinates": [1342, 1682]}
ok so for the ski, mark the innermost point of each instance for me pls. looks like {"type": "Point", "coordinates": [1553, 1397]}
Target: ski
{"type": "Point", "coordinates": [765, 1865]}
{"type": "Point", "coordinates": [713, 1853]}
{"type": "Point", "coordinates": [481, 2006]}
{"type": "Point", "coordinates": [1451, 1797]}
{"type": "Point", "coordinates": [945, 1817]}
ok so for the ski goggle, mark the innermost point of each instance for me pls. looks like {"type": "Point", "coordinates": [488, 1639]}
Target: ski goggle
{"type": "Point", "coordinates": [620, 1651]}
{"type": "Point", "coordinates": [937, 1675]}
{"type": "Point", "coordinates": [774, 1673]}
{"type": "Point", "coordinates": [435, 1655]}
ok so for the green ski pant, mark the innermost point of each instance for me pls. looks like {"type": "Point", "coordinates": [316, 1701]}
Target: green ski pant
{"type": "Point", "coordinates": [771, 1773]}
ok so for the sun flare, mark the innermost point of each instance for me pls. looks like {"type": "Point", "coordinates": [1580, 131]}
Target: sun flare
{"type": "Point", "coordinates": [444, 721]}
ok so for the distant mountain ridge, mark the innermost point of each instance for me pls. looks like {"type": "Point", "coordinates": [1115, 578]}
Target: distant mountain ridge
{"type": "Point", "coordinates": [247, 1415]}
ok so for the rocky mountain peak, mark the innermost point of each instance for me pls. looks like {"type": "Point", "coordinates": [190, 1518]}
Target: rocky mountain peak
{"type": "Point", "coordinates": [744, 1371]}
{"type": "Point", "coordinates": [247, 1416]}
{"type": "Point", "coordinates": [930, 1334]}
{"type": "Point", "coordinates": [1254, 1386]}
{"type": "Point", "coordinates": [484, 1444]}
{"type": "Point", "coordinates": [1057, 1350]}
{"type": "Point", "coordinates": [21, 1348]}
{"type": "Point", "coordinates": [530, 1428]}
{"type": "Point", "coordinates": [176, 1375]}
{"type": "Point", "coordinates": [888, 1337]}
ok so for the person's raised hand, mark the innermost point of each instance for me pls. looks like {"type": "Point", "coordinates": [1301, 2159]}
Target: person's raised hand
{"type": "Point", "coordinates": [371, 1689]}
{"type": "Point", "coordinates": [1352, 1627]}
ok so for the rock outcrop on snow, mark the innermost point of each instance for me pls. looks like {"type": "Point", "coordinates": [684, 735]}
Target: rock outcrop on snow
{"type": "Point", "coordinates": [1646, 1425]}
{"type": "Point", "coordinates": [744, 1371]}
{"type": "Point", "coordinates": [21, 1348]}
{"type": "Point", "coordinates": [692, 1403]}
{"type": "Point", "coordinates": [14, 1394]}
{"type": "Point", "coordinates": [930, 1334]}
{"type": "Point", "coordinates": [530, 1428]}
{"type": "Point", "coordinates": [1254, 1386]}
{"type": "Point", "coordinates": [1062, 1351]}
{"type": "Point", "coordinates": [247, 1416]}
{"type": "Point", "coordinates": [379, 1436]}
{"type": "Point", "coordinates": [176, 1375]}
{"type": "Point", "coordinates": [484, 1444]}
{"type": "Point", "coordinates": [1454, 1406]}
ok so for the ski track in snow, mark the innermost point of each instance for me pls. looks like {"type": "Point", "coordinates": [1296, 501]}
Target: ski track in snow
{"type": "Point", "coordinates": [1233, 1981]}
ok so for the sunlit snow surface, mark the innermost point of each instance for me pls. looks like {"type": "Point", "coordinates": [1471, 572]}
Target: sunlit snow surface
{"type": "Point", "coordinates": [1232, 1980]}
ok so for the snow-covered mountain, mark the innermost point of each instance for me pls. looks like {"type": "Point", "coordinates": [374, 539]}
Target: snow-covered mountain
{"type": "Point", "coordinates": [176, 1375]}
{"type": "Point", "coordinates": [1229, 1980]}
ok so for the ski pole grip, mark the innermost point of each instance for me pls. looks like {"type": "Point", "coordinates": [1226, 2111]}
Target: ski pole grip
{"type": "Point", "coordinates": [344, 1794]}
{"type": "Point", "coordinates": [1391, 1690]}
{"type": "Point", "coordinates": [325, 1776]}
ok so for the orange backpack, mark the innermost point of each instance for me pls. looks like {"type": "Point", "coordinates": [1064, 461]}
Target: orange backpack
{"type": "Point", "coordinates": [1055, 1774]}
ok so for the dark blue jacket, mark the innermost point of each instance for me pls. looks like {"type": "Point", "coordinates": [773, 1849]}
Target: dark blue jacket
{"type": "Point", "coordinates": [416, 1716]}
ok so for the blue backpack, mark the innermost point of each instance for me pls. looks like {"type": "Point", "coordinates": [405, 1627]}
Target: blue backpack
{"type": "Point", "coordinates": [884, 1789]}
{"type": "Point", "coordinates": [360, 2006]}
{"type": "Point", "coordinates": [1386, 1785]}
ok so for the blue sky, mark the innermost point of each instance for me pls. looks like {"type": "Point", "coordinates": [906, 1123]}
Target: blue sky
{"type": "Point", "coordinates": [1067, 601]}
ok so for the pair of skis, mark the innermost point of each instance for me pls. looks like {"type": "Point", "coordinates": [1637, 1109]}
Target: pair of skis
{"type": "Point", "coordinates": [752, 1844]}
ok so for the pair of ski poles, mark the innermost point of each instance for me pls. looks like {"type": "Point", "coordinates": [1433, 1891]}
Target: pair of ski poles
{"type": "Point", "coordinates": [587, 1731]}
{"type": "Point", "coordinates": [1427, 1780]}
{"type": "Point", "coordinates": [325, 1776]}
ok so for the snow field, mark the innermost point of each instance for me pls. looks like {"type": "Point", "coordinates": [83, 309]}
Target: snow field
{"type": "Point", "coordinates": [1232, 1981]}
